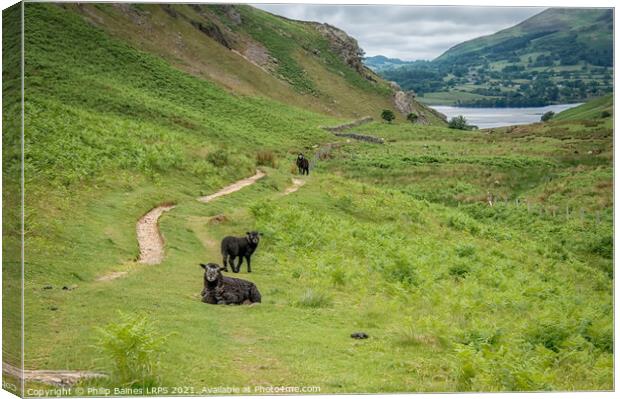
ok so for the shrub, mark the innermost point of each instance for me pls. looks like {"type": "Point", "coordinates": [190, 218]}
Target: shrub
{"type": "Point", "coordinates": [388, 115]}
{"type": "Point", "coordinates": [550, 335]}
{"type": "Point", "coordinates": [458, 122]}
{"type": "Point", "coordinates": [605, 114]}
{"type": "Point", "coordinates": [134, 348]}
{"type": "Point", "coordinates": [313, 299]}
{"type": "Point", "coordinates": [413, 118]}
{"type": "Point", "coordinates": [266, 158]}
{"type": "Point", "coordinates": [466, 250]}
{"type": "Point", "coordinates": [218, 158]}
{"type": "Point", "coordinates": [202, 168]}
{"type": "Point", "coordinates": [462, 222]}
{"type": "Point", "coordinates": [601, 334]}
{"type": "Point", "coordinates": [400, 270]}
{"type": "Point", "coordinates": [603, 246]}
{"type": "Point", "coordinates": [460, 270]}
{"type": "Point", "coordinates": [547, 116]}
{"type": "Point", "coordinates": [477, 339]}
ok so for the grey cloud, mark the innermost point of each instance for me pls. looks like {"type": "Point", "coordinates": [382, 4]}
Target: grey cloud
{"type": "Point", "coordinates": [408, 32]}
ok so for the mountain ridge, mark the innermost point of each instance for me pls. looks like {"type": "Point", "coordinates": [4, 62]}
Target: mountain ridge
{"type": "Point", "coordinates": [559, 55]}
{"type": "Point", "coordinates": [249, 51]}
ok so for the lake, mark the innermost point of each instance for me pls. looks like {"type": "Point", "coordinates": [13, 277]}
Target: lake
{"type": "Point", "coordinates": [495, 117]}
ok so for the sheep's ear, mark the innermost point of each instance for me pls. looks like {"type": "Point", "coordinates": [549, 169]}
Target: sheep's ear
{"type": "Point", "coordinates": [247, 232]}
{"type": "Point", "coordinates": [203, 266]}
{"type": "Point", "coordinates": [221, 268]}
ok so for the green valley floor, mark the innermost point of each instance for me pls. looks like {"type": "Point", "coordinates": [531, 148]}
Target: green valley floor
{"type": "Point", "coordinates": [456, 295]}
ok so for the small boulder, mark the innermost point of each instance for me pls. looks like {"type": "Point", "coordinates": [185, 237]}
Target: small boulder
{"type": "Point", "coordinates": [359, 335]}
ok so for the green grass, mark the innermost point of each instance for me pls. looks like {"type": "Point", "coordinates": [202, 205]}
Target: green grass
{"type": "Point", "coordinates": [302, 243]}
{"type": "Point", "coordinates": [593, 109]}
{"type": "Point", "coordinates": [299, 78]}
{"type": "Point", "coordinates": [394, 240]}
{"type": "Point", "coordinates": [11, 194]}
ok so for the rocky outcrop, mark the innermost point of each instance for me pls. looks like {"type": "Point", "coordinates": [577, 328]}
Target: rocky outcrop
{"type": "Point", "coordinates": [345, 47]}
{"type": "Point", "coordinates": [231, 13]}
{"type": "Point", "coordinates": [258, 54]}
{"type": "Point", "coordinates": [394, 86]}
{"type": "Point", "coordinates": [214, 32]}
{"type": "Point", "coordinates": [403, 101]}
{"type": "Point", "coordinates": [168, 9]}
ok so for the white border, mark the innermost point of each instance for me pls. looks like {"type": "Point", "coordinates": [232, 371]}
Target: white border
{"type": "Point", "coordinates": [523, 3]}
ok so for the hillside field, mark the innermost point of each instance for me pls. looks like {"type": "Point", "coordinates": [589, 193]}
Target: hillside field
{"type": "Point", "coordinates": [396, 240]}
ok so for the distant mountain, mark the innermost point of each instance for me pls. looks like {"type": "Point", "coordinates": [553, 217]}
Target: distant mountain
{"type": "Point", "coordinates": [559, 55]}
{"type": "Point", "coordinates": [380, 63]}
{"type": "Point", "coordinates": [560, 35]}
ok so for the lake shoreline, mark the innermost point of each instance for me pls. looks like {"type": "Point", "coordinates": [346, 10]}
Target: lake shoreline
{"type": "Point", "coordinates": [485, 118]}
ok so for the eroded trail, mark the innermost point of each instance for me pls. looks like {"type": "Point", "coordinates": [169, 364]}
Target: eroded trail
{"type": "Point", "coordinates": [233, 187]}
{"type": "Point", "coordinates": [297, 183]}
{"type": "Point", "coordinates": [150, 240]}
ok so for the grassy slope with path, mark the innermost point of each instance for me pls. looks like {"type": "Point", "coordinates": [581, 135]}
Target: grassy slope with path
{"type": "Point", "coordinates": [453, 298]}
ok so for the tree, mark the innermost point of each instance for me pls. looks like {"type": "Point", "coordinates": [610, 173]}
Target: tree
{"type": "Point", "coordinates": [388, 115]}
{"type": "Point", "coordinates": [458, 122]}
{"type": "Point", "coordinates": [413, 118]}
{"type": "Point", "coordinates": [547, 116]}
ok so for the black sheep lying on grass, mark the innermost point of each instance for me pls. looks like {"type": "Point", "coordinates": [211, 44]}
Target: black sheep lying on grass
{"type": "Point", "coordinates": [221, 290]}
{"type": "Point", "coordinates": [239, 247]}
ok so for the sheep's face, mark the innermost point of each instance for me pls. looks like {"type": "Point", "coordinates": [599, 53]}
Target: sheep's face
{"type": "Point", "coordinates": [212, 271]}
{"type": "Point", "coordinates": [300, 156]}
{"type": "Point", "coordinates": [253, 236]}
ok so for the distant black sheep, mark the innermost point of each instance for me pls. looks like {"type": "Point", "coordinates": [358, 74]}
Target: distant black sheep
{"type": "Point", "coordinates": [241, 247]}
{"type": "Point", "coordinates": [303, 165]}
{"type": "Point", "coordinates": [221, 290]}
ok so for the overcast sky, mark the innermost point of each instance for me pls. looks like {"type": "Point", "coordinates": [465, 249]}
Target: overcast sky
{"type": "Point", "coordinates": [408, 32]}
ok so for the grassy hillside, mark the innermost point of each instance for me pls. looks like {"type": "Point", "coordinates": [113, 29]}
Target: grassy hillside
{"type": "Point", "coordinates": [395, 240]}
{"type": "Point", "coordinates": [246, 51]}
{"type": "Point", "coordinates": [569, 34]}
{"type": "Point", "coordinates": [557, 56]}
{"type": "Point", "coordinates": [600, 108]}
{"type": "Point", "coordinates": [11, 193]}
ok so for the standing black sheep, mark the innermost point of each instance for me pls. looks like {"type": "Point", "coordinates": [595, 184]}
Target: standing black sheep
{"type": "Point", "coordinates": [221, 290]}
{"type": "Point", "coordinates": [303, 165]}
{"type": "Point", "coordinates": [241, 247]}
